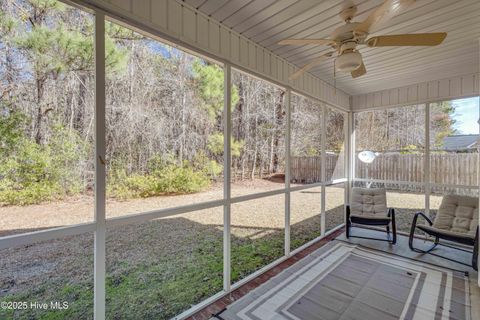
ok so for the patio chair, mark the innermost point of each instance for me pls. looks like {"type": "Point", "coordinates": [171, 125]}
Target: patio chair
{"type": "Point", "coordinates": [456, 221]}
{"type": "Point", "coordinates": [369, 207]}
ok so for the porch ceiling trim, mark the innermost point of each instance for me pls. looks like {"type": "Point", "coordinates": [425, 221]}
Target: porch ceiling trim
{"type": "Point", "coordinates": [429, 91]}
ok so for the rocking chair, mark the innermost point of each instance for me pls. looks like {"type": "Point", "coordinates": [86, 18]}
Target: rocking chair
{"type": "Point", "coordinates": [456, 221]}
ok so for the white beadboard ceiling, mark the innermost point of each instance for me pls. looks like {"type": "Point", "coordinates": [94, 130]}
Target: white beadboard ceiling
{"type": "Point", "coordinates": [268, 21]}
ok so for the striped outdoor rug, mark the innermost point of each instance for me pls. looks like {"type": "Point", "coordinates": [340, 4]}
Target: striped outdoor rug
{"type": "Point", "coordinates": [346, 281]}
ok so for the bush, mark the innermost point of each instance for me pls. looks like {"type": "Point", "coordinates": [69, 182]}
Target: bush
{"type": "Point", "coordinates": [31, 173]}
{"type": "Point", "coordinates": [206, 165]}
{"type": "Point", "coordinates": [215, 145]}
{"type": "Point", "coordinates": [171, 179]}
{"type": "Point", "coordinates": [32, 194]}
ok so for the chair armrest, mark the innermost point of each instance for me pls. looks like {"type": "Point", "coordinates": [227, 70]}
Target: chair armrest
{"type": "Point", "coordinates": [414, 226]}
{"type": "Point", "coordinates": [475, 252]}
{"type": "Point", "coordinates": [391, 212]}
{"type": "Point", "coordinates": [415, 218]}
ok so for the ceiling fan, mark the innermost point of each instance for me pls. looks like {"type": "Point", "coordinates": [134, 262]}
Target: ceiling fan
{"type": "Point", "coordinates": [345, 39]}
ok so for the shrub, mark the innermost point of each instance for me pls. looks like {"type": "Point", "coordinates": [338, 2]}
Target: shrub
{"type": "Point", "coordinates": [31, 173]}
{"type": "Point", "coordinates": [215, 145]}
{"type": "Point", "coordinates": [206, 165]}
{"type": "Point", "coordinates": [171, 179]}
{"type": "Point", "coordinates": [31, 194]}
{"type": "Point", "coordinates": [67, 152]}
{"type": "Point", "coordinates": [12, 124]}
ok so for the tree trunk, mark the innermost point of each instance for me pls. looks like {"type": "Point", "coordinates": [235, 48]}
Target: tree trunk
{"type": "Point", "coordinates": [255, 143]}
{"type": "Point", "coordinates": [39, 115]}
{"type": "Point", "coordinates": [82, 96]}
{"type": "Point", "coordinates": [279, 115]}
{"type": "Point", "coordinates": [10, 71]}
{"type": "Point", "coordinates": [184, 129]}
{"type": "Point", "coordinates": [271, 162]}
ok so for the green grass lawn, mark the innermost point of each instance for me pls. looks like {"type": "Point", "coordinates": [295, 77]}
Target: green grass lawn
{"type": "Point", "coordinates": [156, 285]}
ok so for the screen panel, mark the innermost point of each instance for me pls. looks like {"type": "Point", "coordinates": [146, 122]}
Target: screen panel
{"type": "Point", "coordinates": [160, 268]}
{"type": "Point", "coordinates": [46, 116]}
{"type": "Point", "coordinates": [258, 234]}
{"type": "Point", "coordinates": [335, 145]}
{"type": "Point", "coordinates": [334, 206]}
{"type": "Point", "coordinates": [258, 135]}
{"type": "Point", "coordinates": [305, 141]}
{"type": "Point", "coordinates": [164, 125]}
{"type": "Point", "coordinates": [454, 136]}
{"type": "Point", "coordinates": [395, 140]}
{"type": "Point", "coordinates": [305, 216]}
{"type": "Point", "coordinates": [48, 280]}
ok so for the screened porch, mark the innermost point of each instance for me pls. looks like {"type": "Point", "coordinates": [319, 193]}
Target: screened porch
{"type": "Point", "coordinates": [171, 160]}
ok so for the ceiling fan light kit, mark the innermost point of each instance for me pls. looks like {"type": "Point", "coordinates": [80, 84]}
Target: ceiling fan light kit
{"type": "Point", "coordinates": [346, 38]}
{"type": "Point", "coordinates": [349, 61]}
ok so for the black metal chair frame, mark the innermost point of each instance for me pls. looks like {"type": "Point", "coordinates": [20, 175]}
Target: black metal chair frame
{"type": "Point", "coordinates": [437, 242]}
{"type": "Point", "coordinates": [371, 222]}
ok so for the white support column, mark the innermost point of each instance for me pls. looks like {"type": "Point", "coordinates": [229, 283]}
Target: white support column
{"type": "Point", "coordinates": [426, 164]}
{"type": "Point", "coordinates": [100, 233]}
{"type": "Point", "coordinates": [227, 138]}
{"type": "Point", "coordinates": [351, 152]}
{"type": "Point", "coordinates": [324, 172]}
{"type": "Point", "coordinates": [347, 157]}
{"type": "Point", "coordinates": [478, 169]}
{"type": "Point", "coordinates": [478, 158]}
{"type": "Point", "coordinates": [287, 171]}
{"type": "Point", "coordinates": [478, 161]}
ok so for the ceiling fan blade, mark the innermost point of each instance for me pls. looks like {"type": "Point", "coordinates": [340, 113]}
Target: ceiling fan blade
{"type": "Point", "coordinates": [306, 41]}
{"type": "Point", "coordinates": [310, 65]}
{"type": "Point", "coordinates": [419, 39]}
{"type": "Point", "coordinates": [383, 13]}
{"type": "Point", "coordinates": [359, 72]}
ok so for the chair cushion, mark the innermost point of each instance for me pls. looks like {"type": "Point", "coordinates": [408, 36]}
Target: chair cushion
{"type": "Point", "coordinates": [370, 220]}
{"type": "Point", "coordinates": [458, 214]}
{"type": "Point", "coordinates": [464, 238]}
{"type": "Point", "coordinates": [369, 202]}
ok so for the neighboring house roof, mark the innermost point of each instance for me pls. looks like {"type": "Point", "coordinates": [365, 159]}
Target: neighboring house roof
{"type": "Point", "coordinates": [460, 142]}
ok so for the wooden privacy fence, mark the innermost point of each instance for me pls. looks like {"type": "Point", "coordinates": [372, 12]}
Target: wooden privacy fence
{"type": "Point", "coordinates": [459, 169]}
{"type": "Point", "coordinates": [445, 168]}
{"type": "Point", "coordinates": [393, 167]}
{"type": "Point", "coordinates": [309, 169]}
